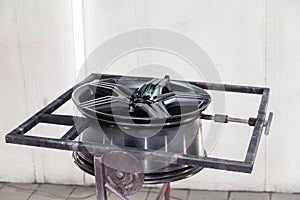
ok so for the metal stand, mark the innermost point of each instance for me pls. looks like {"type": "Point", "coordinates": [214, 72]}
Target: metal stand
{"type": "Point", "coordinates": [79, 124]}
{"type": "Point", "coordinates": [261, 123]}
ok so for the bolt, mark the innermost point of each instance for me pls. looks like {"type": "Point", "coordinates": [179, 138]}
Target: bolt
{"type": "Point", "coordinates": [120, 175]}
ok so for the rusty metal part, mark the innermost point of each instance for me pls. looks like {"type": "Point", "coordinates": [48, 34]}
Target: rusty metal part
{"type": "Point", "coordinates": [123, 172]}
{"type": "Point", "coordinates": [116, 192]}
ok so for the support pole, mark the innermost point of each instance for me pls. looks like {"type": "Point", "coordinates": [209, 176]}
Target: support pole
{"type": "Point", "coordinates": [100, 178]}
{"type": "Point", "coordinates": [164, 192]}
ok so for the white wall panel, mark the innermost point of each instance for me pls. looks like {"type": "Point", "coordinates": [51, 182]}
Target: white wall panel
{"type": "Point", "coordinates": [46, 31]}
{"type": "Point", "coordinates": [283, 161]}
{"type": "Point", "coordinates": [104, 19]}
{"type": "Point", "coordinates": [16, 162]}
{"type": "Point", "coordinates": [38, 47]}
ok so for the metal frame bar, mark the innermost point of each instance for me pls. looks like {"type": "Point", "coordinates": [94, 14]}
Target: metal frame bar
{"type": "Point", "coordinates": [164, 192]}
{"type": "Point", "coordinates": [17, 136]}
{"type": "Point", "coordinates": [100, 178]}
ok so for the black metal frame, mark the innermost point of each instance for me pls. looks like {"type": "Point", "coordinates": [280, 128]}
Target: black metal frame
{"type": "Point", "coordinates": [17, 136]}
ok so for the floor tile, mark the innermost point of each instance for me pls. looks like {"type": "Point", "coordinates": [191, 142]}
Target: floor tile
{"type": "Point", "coordinates": [153, 193]}
{"type": "Point", "coordinates": [86, 193]}
{"type": "Point", "coordinates": [279, 196]}
{"type": "Point", "coordinates": [140, 195]}
{"type": "Point", "coordinates": [137, 196]}
{"type": "Point", "coordinates": [175, 194]}
{"type": "Point", "coordinates": [10, 191]}
{"type": "Point", "coordinates": [179, 194]}
{"type": "Point", "coordinates": [48, 191]}
{"type": "Point", "coordinates": [249, 196]}
{"type": "Point", "coordinates": [207, 195]}
{"type": "Point", "coordinates": [145, 189]}
{"type": "Point", "coordinates": [17, 191]}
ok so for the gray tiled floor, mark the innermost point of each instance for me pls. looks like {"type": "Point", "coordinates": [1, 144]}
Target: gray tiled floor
{"type": "Point", "coordinates": [285, 196]}
{"type": "Point", "coordinates": [208, 195]}
{"type": "Point", "coordinates": [17, 191]}
{"type": "Point", "coordinates": [249, 196]}
{"type": "Point", "coordinates": [83, 192]}
{"type": "Point", "coordinates": [10, 191]}
{"type": "Point", "coordinates": [47, 192]}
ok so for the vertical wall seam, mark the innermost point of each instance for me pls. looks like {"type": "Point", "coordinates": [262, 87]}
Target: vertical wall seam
{"type": "Point", "coordinates": [266, 43]}
{"type": "Point", "coordinates": [22, 60]}
{"type": "Point", "coordinates": [265, 82]}
{"type": "Point", "coordinates": [72, 12]}
{"type": "Point", "coordinates": [137, 57]}
{"type": "Point", "coordinates": [79, 46]}
{"type": "Point", "coordinates": [78, 37]}
{"type": "Point", "coordinates": [23, 79]}
{"type": "Point", "coordinates": [84, 34]}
